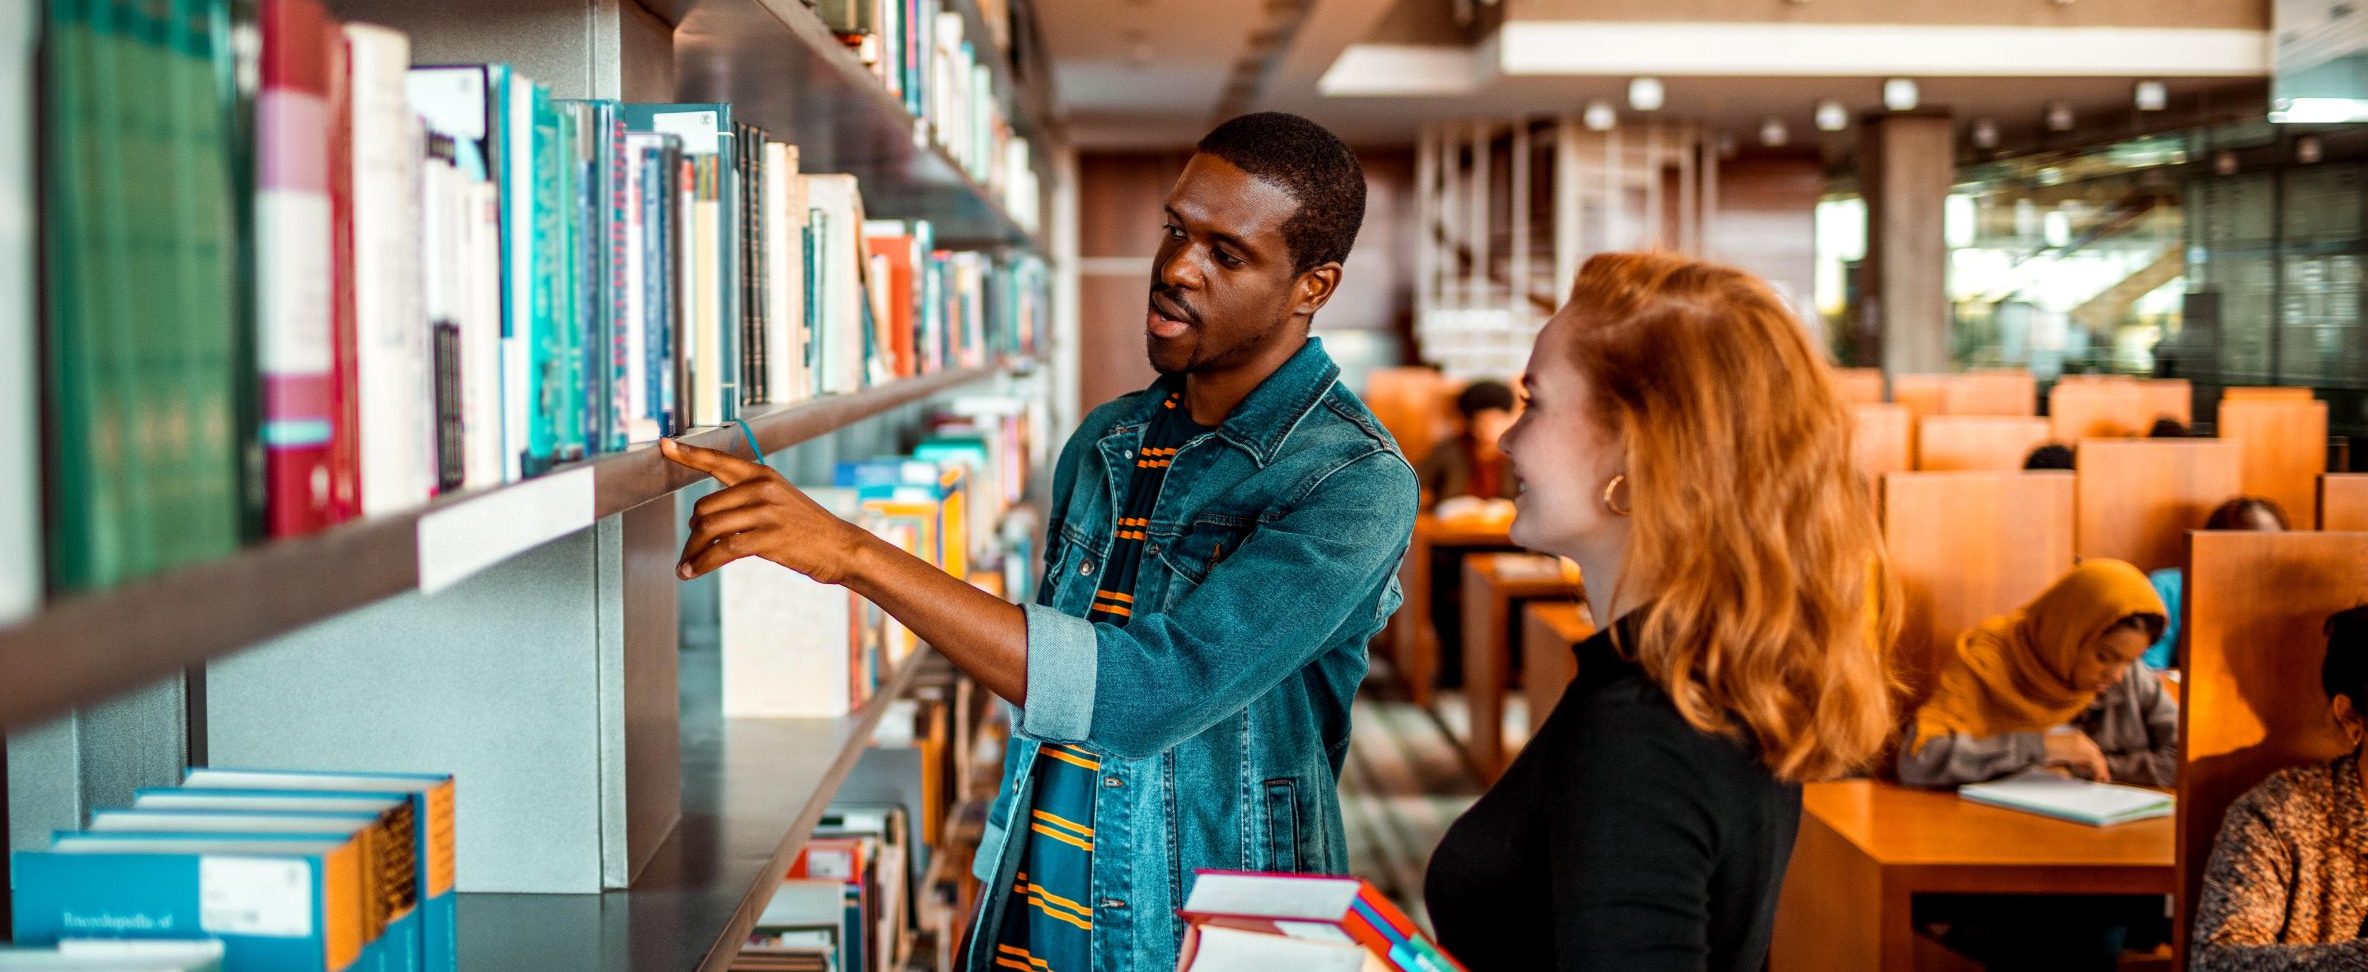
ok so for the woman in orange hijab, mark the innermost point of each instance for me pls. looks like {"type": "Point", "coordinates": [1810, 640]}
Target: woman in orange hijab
{"type": "Point", "coordinates": [2053, 686]}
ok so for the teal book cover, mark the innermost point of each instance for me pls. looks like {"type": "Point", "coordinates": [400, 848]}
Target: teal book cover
{"type": "Point", "coordinates": [278, 904]}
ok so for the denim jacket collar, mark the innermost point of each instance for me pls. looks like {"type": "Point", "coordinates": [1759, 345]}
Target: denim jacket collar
{"type": "Point", "coordinates": [1263, 420]}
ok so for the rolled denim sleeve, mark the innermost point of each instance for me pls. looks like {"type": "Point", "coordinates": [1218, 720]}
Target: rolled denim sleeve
{"type": "Point", "coordinates": [1062, 652]}
{"type": "Point", "coordinates": [1264, 613]}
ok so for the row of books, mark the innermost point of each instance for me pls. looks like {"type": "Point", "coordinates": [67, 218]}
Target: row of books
{"type": "Point", "coordinates": [288, 871]}
{"type": "Point", "coordinates": [793, 647]}
{"type": "Point", "coordinates": [845, 904]}
{"type": "Point", "coordinates": [923, 54]}
{"type": "Point", "coordinates": [361, 284]}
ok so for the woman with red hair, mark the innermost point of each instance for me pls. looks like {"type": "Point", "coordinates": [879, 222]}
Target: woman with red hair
{"type": "Point", "coordinates": [1685, 445]}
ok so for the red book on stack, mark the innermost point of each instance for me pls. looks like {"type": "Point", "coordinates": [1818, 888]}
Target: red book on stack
{"type": "Point", "coordinates": [1308, 923]}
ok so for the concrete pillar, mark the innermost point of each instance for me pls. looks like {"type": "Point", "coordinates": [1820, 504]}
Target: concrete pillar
{"type": "Point", "coordinates": [1906, 164]}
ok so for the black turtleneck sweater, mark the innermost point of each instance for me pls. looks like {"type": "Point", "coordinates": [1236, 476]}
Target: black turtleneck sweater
{"type": "Point", "coordinates": [1622, 838]}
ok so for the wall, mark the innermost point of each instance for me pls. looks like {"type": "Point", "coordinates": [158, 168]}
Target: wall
{"type": "Point", "coordinates": [1766, 221]}
{"type": "Point", "coordinates": [1118, 229]}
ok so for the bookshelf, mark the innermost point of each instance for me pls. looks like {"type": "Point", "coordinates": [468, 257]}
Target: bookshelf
{"type": "Point", "coordinates": [86, 648]}
{"type": "Point", "coordinates": [752, 790]}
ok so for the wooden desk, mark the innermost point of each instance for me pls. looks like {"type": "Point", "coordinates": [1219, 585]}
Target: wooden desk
{"type": "Point", "coordinates": [1413, 644]}
{"type": "Point", "coordinates": [1549, 629]}
{"type": "Point", "coordinates": [1493, 595]}
{"type": "Point", "coordinates": [1866, 849]}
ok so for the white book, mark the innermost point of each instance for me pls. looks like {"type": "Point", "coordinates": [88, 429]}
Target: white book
{"type": "Point", "coordinates": [786, 638]}
{"type": "Point", "coordinates": [390, 324]}
{"type": "Point", "coordinates": [518, 229]}
{"type": "Point", "coordinates": [838, 199]}
{"type": "Point", "coordinates": [20, 409]}
{"type": "Point", "coordinates": [2080, 801]}
{"type": "Point", "coordinates": [783, 256]}
{"type": "Point", "coordinates": [482, 402]}
{"type": "Point", "coordinates": [706, 316]}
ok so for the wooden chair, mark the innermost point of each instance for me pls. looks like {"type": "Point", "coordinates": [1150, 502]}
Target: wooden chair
{"type": "Point", "coordinates": [2108, 408]}
{"type": "Point", "coordinates": [1922, 394]}
{"type": "Point", "coordinates": [2283, 393]}
{"type": "Point", "coordinates": [1882, 438]}
{"type": "Point", "coordinates": [1859, 386]}
{"type": "Point", "coordinates": [1966, 546]}
{"type": "Point", "coordinates": [2002, 392]}
{"type": "Point", "coordinates": [1988, 443]}
{"type": "Point", "coordinates": [2254, 637]}
{"type": "Point", "coordinates": [1412, 404]}
{"type": "Point", "coordinates": [2171, 398]}
{"type": "Point", "coordinates": [2343, 501]}
{"type": "Point", "coordinates": [2138, 497]}
{"type": "Point", "coordinates": [2283, 444]}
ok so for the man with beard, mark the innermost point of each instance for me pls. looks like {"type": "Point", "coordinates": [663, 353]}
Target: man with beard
{"type": "Point", "coordinates": [1219, 549]}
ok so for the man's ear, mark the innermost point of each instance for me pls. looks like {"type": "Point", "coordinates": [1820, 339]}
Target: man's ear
{"type": "Point", "coordinates": [1314, 289]}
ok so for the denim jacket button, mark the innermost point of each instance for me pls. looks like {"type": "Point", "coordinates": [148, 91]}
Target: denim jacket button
{"type": "Point", "coordinates": [1154, 548]}
{"type": "Point", "coordinates": [1113, 782]}
{"type": "Point", "coordinates": [1113, 903]}
{"type": "Point", "coordinates": [1086, 569]}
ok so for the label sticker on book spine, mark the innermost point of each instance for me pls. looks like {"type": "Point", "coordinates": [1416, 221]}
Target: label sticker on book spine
{"type": "Point", "coordinates": [265, 897]}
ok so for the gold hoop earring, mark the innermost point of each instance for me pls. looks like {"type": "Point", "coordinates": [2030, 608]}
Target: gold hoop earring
{"type": "Point", "coordinates": [1618, 480]}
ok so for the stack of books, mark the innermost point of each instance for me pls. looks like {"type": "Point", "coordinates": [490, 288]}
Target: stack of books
{"type": "Point", "coordinates": [923, 54]}
{"type": "Point", "coordinates": [287, 871]}
{"type": "Point", "coordinates": [398, 282]}
{"type": "Point", "coordinates": [1240, 922]}
{"type": "Point", "coordinates": [844, 905]}
{"type": "Point", "coordinates": [114, 955]}
{"type": "Point", "coordinates": [793, 647]}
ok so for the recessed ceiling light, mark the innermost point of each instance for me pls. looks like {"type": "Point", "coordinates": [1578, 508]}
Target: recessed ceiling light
{"type": "Point", "coordinates": [2059, 116]}
{"type": "Point", "coordinates": [1600, 116]}
{"type": "Point", "coordinates": [1773, 134]}
{"type": "Point", "coordinates": [2224, 163]}
{"type": "Point", "coordinates": [1645, 94]}
{"type": "Point", "coordinates": [1831, 116]}
{"type": "Point", "coordinates": [1985, 134]}
{"type": "Point", "coordinates": [2152, 96]}
{"type": "Point", "coordinates": [1899, 94]}
{"type": "Point", "coordinates": [2307, 150]}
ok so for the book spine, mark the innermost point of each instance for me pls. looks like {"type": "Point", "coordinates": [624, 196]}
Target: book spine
{"type": "Point", "coordinates": [620, 325]}
{"type": "Point", "coordinates": [547, 241]}
{"type": "Point", "coordinates": [391, 336]}
{"type": "Point", "coordinates": [633, 324]}
{"type": "Point", "coordinates": [296, 272]}
{"type": "Point", "coordinates": [481, 334]}
{"type": "Point", "coordinates": [451, 436]}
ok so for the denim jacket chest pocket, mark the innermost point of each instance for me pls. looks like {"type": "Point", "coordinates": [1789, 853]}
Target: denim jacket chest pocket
{"type": "Point", "coordinates": [1193, 548]}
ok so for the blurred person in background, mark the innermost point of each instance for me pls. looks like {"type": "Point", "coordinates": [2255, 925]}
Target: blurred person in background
{"type": "Point", "coordinates": [2257, 513]}
{"type": "Point", "coordinates": [1473, 463]}
{"type": "Point", "coordinates": [2054, 455]}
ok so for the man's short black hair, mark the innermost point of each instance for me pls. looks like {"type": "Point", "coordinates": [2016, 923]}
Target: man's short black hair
{"type": "Point", "coordinates": [2054, 455]}
{"type": "Point", "coordinates": [1482, 395]}
{"type": "Point", "coordinates": [1311, 164]}
{"type": "Point", "coordinates": [2167, 427]}
{"type": "Point", "coordinates": [2345, 672]}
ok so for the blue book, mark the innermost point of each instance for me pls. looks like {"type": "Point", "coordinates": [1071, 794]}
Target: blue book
{"type": "Point", "coordinates": [432, 798]}
{"type": "Point", "coordinates": [277, 902]}
{"type": "Point", "coordinates": [397, 821]}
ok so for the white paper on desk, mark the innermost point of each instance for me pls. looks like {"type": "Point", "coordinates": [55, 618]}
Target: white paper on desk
{"type": "Point", "coordinates": [2080, 801]}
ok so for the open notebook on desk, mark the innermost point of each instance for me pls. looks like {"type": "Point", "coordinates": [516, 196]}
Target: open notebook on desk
{"type": "Point", "coordinates": [2080, 801]}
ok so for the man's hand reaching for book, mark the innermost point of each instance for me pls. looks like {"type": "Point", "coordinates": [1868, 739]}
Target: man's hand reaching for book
{"type": "Point", "coordinates": [759, 514]}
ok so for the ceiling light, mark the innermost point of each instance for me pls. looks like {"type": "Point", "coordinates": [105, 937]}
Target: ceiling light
{"type": "Point", "coordinates": [2152, 96]}
{"type": "Point", "coordinates": [1645, 94]}
{"type": "Point", "coordinates": [2059, 116]}
{"type": "Point", "coordinates": [2224, 163]}
{"type": "Point", "coordinates": [1726, 146]}
{"type": "Point", "coordinates": [2307, 150]}
{"type": "Point", "coordinates": [1899, 94]}
{"type": "Point", "coordinates": [1985, 134]}
{"type": "Point", "coordinates": [1600, 116]}
{"type": "Point", "coordinates": [1831, 116]}
{"type": "Point", "coordinates": [1773, 134]}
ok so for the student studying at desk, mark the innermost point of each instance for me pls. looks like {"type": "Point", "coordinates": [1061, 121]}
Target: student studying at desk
{"type": "Point", "coordinates": [2287, 886]}
{"type": "Point", "coordinates": [2053, 686]}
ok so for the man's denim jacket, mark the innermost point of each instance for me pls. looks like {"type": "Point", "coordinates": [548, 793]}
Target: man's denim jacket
{"type": "Point", "coordinates": [1222, 708]}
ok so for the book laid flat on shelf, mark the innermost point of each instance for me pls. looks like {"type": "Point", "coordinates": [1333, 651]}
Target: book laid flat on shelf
{"type": "Point", "coordinates": [2080, 801]}
{"type": "Point", "coordinates": [390, 906]}
{"type": "Point", "coordinates": [404, 843]}
{"type": "Point", "coordinates": [1269, 921]}
{"type": "Point", "coordinates": [114, 955]}
{"type": "Point", "coordinates": [276, 902]}
{"type": "Point", "coordinates": [431, 798]}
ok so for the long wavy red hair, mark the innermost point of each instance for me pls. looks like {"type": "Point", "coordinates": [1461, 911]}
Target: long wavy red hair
{"type": "Point", "coordinates": [1767, 608]}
